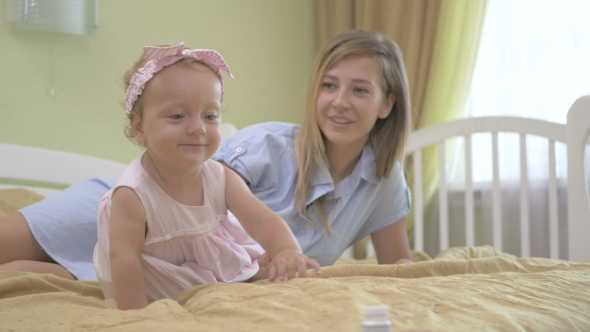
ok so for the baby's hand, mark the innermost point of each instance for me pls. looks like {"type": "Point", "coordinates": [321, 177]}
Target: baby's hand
{"type": "Point", "coordinates": [288, 264]}
{"type": "Point", "coordinates": [263, 260]}
{"type": "Point", "coordinates": [262, 273]}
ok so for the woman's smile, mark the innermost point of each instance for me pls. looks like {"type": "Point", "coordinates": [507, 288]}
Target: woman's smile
{"type": "Point", "coordinates": [340, 120]}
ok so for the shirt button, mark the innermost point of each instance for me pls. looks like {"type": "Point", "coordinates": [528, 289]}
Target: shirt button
{"type": "Point", "coordinates": [239, 150]}
{"type": "Point", "coordinates": [308, 225]}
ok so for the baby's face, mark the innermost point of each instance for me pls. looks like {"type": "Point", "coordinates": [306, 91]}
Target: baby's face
{"type": "Point", "coordinates": [181, 115]}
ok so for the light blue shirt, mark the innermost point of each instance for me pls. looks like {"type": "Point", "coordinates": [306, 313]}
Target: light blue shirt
{"type": "Point", "coordinates": [357, 206]}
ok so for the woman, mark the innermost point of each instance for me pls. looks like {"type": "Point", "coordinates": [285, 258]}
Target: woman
{"type": "Point", "coordinates": [335, 179]}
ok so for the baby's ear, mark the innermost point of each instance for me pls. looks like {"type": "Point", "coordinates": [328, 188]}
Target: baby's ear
{"type": "Point", "coordinates": [137, 127]}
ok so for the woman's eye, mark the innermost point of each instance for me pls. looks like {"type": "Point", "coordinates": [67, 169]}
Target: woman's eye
{"type": "Point", "coordinates": [328, 85]}
{"type": "Point", "coordinates": [361, 90]}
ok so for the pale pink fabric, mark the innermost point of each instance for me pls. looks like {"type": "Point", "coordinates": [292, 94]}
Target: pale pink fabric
{"type": "Point", "coordinates": [160, 57]}
{"type": "Point", "coordinates": [185, 246]}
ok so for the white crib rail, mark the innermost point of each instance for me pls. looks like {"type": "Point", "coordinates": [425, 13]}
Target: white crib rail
{"type": "Point", "coordinates": [578, 132]}
{"type": "Point", "coordinates": [576, 135]}
{"type": "Point", "coordinates": [465, 128]}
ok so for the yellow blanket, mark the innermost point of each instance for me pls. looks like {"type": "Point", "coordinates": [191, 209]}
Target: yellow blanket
{"type": "Point", "coordinates": [462, 289]}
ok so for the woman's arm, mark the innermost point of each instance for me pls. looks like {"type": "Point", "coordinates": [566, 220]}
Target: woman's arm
{"type": "Point", "coordinates": [127, 227]}
{"type": "Point", "coordinates": [391, 243]}
{"type": "Point", "coordinates": [267, 228]}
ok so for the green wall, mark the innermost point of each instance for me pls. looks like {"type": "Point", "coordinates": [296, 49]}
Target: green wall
{"type": "Point", "coordinates": [65, 92]}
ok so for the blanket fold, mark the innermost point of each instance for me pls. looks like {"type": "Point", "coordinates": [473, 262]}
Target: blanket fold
{"type": "Point", "coordinates": [475, 289]}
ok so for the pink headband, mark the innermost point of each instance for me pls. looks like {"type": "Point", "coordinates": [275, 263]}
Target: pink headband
{"type": "Point", "coordinates": [160, 57]}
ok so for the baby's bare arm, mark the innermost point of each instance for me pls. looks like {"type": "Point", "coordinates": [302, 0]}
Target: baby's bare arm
{"type": "Point", "coordinates": [267, 228]}
{"type": "Point", "coordinates": [127, 234]}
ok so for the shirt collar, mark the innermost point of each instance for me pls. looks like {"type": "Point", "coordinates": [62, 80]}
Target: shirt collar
{"type": "Point", "coordinates": [322, 182]}
{"type": "Point", "coordinates": [368, 164]}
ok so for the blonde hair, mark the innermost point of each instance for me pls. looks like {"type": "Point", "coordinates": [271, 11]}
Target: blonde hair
{"type": "Point", "coordinates": [137, 109]}
{"type": "Point", "coordinates": [387, 138]}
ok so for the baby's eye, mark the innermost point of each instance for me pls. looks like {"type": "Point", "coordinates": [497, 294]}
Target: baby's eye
{"type": "Point", "coordinates": [211, 117]}
{"type": "Point", "coordinates": [177, 116]}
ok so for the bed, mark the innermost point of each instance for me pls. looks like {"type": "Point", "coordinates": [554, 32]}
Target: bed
{"type": "Point", "coordinates": [471, 287]}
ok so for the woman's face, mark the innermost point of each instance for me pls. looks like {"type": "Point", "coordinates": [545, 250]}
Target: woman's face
{"type": "Point", "coordinates": [350, 100]}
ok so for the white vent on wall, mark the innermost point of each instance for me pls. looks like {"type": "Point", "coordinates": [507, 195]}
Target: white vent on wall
{"type": "Point", "coordinates": [77, 17]}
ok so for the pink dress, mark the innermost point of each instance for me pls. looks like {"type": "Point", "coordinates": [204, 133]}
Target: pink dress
{"type": "Point", "coordinates": [185, 246]}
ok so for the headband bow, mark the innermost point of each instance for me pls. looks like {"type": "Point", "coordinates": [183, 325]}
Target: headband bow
{"type": "Point", "coordinates": [160, 57]}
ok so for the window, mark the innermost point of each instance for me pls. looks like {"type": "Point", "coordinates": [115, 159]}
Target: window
{"type": "Point", "coordinates": [533, 61]}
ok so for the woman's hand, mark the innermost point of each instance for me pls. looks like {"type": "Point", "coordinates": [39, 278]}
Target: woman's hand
{"type": "Point", "coordinates": [288, 264]}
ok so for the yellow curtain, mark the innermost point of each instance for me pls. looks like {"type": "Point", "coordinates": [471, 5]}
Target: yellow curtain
{"type": "Point", "coordinates": [447, 88]}
{"type": "Point", "coordinates": [439, 40]}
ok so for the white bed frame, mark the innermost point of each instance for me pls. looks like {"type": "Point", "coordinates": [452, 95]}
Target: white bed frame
{"type": "Point", "coordinates": [41, 166]}
{"type": "Point", "coordinates": [574, 134]}
{"type": "Point", "coordinates": [45, 171]}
